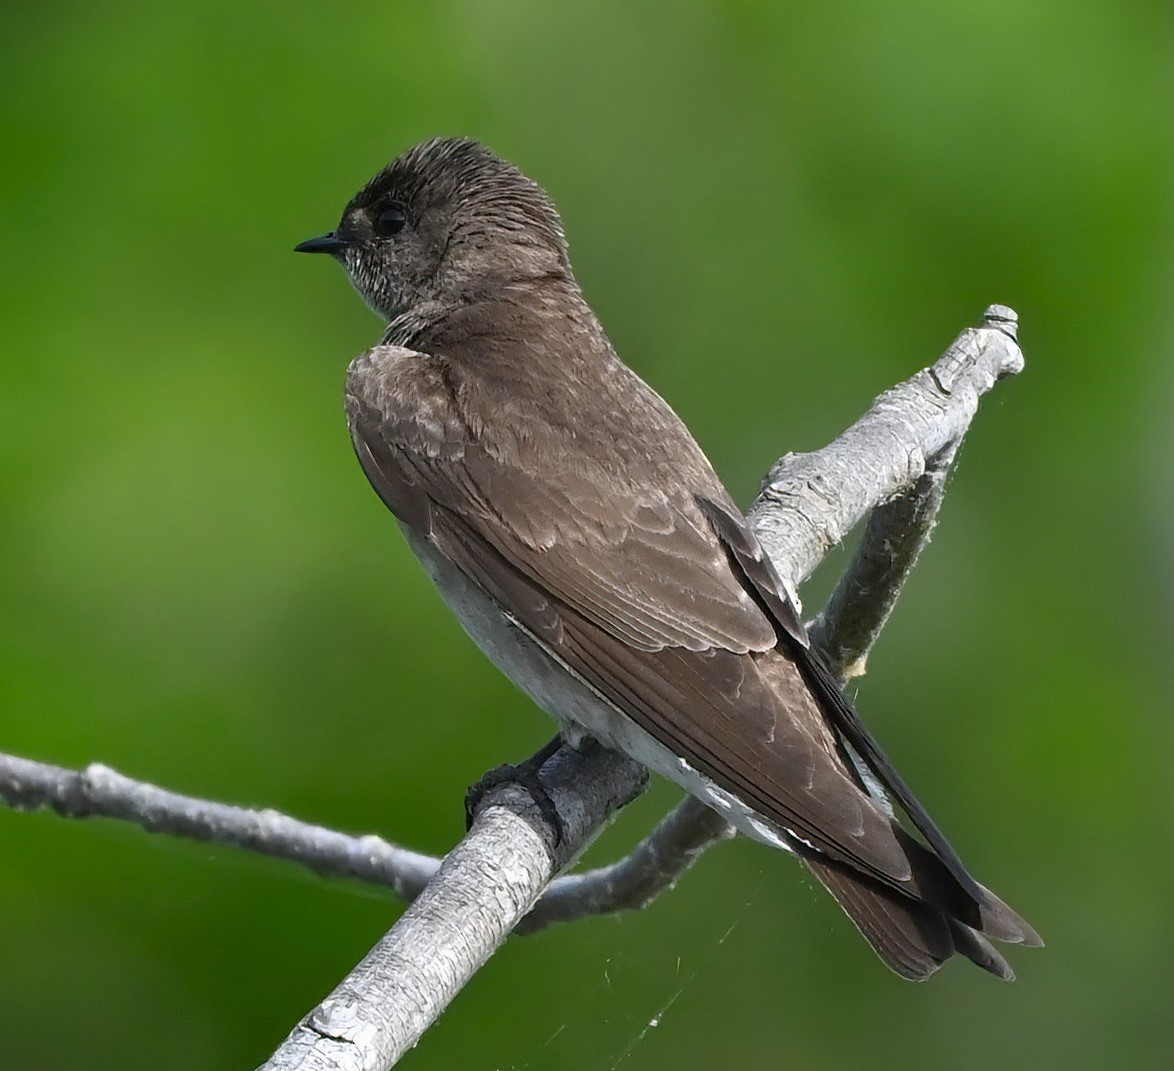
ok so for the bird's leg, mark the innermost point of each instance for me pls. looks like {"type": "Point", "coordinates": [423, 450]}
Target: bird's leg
{"type": "Point", "coordinates": [525, 775]}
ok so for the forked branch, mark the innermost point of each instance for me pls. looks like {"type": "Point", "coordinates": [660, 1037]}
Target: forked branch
{"type": "Point", "coordinates": [501, 877]}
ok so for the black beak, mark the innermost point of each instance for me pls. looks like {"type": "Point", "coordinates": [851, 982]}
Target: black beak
{"type": "Point", "coordinates": [328, 243]}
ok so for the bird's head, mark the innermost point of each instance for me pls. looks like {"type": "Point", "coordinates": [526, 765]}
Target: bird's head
{"type": "Point", "coordinates": [445, 223]}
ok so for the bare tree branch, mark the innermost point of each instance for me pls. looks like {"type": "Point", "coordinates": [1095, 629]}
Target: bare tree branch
{"type": "Point", "coordinates": [484, 888]}
{"type": "Point", "coordinates": [809, 502]}
{"type": "Point", "coordinates": [99, 791]}
{"type": "Point", "coordinates": [894, 537]}
{"type": "Point", "coordinates": [845, 631]}
{"type": "Point", "coordinates": [639, 878]}
{"type": "Point", "coordinates": [892, 461]}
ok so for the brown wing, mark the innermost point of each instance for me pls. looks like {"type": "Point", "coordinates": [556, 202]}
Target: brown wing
{"type": "Point", "coordinates": [939, 876]}
{"type": "Point", "coordinates": [748, 556]}
{"type": "Point", "coordinates": [631, 565]}
{"type": "Point", "coordinates": [640, 561]}
{"type": "Point", "coordinates": [633, 589]}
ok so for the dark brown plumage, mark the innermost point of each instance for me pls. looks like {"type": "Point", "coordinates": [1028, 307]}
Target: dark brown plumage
{"type": "Point", "coordinates": [582, 536]}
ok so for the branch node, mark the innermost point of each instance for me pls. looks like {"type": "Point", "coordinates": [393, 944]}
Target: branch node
{"type": "Point", "coordinates": [339, 1018]}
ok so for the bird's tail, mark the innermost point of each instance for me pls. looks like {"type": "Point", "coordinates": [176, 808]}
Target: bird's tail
{"type": "Point", "coordinates": [915, 935]}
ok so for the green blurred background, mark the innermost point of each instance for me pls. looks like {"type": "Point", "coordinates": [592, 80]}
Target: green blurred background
{"type": "Point", "coordinates": [778, 209]}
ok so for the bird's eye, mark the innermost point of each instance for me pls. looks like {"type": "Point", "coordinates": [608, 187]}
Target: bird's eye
{"type": "Point", "coordinates": [391, 221]}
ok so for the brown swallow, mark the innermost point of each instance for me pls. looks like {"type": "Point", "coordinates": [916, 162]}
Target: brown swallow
{"type": "Point", "coordinates": [578, 532]}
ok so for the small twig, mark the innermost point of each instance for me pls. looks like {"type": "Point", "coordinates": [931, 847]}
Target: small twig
{"type": "Point", "coordinates": [859, 607]}
{"type": "Point", "coordinates": [102, 792]}
{"type": "Point", "coordinates": [635, 881]}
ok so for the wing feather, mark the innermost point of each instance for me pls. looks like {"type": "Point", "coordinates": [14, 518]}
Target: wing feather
{"type": "Point", "coordinates": [655, 592]}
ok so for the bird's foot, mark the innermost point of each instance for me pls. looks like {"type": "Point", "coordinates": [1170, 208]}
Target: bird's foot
{"type": "Point", "coordinates": [524, 775]}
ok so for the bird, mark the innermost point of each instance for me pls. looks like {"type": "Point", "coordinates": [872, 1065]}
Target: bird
{"type": "Point", "coordinates": [584, 541]}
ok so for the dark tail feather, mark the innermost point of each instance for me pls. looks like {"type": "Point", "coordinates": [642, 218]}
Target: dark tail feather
{"type": "Point", "coordinates": [1000, 921]}
{"type": "Point", "coordinates": [985, 913]}
{"type": "Point", "coordinates": [978, 949]}
{"type": "Point", "coordinates": [913, 938]}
